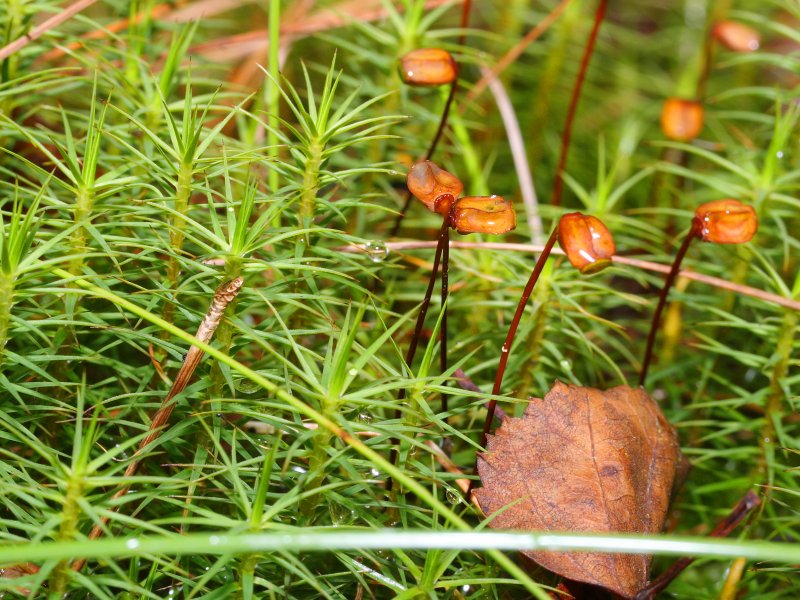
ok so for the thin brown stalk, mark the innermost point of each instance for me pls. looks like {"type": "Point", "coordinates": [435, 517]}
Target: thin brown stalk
{"type": "Point", "coordinates": [412, 347]}
{"type": "Point", "coordinates": [223, 296]}
{"type": "Point", "coordinates": [465, 10]}
{"type": "Point", "coordinates": [513, 54]}
{"type": "Point", "coordinates": [558, 182]}
{"type": "Point", "coordinates": [443, 328]}
{"type": "Point", "coordinates": [620, 260]}
{"type": "Point", "coordinates": [505, 351]}
{"type": "Point", "coordinates": [203, 9]}
{"type": "Point", "coordinates": [662, 297]}
{"type": "Point", "coordinates": [722, 529]}
{"type": "Point", "coordinates": [449, 466]}
{"type": "Point", "coordinates": [157, 12]}
{"type": "Point", "coordinates": [57, 19]}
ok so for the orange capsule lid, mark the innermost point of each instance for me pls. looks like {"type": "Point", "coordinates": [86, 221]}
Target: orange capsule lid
{"type": "Point", "coordinates": [587, 242]}
{"type": "Point", "coordinates": [726, 221]}
{"type": "Point", "coordinates": [483, 214]}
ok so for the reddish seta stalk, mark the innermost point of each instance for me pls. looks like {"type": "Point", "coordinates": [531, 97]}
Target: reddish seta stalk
{"type": "Point", "coordinates": [589, 246]}
{"type": "Point", "coordinates": [466, 7]}
{"type": "Point", "coordinates": [512, 330]}
{"type": "Point", "coordinates": [412, 347]}
{"type": "Point", "coordinates": [558, 182]}
{"type": "Point", "coordinates": [443, 328]}
{"type": "Point", "coordinates": [662, 297]}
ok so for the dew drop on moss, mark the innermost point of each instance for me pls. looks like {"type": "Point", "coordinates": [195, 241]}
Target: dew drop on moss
{"type": "Point", "coordinates": [376, 251]}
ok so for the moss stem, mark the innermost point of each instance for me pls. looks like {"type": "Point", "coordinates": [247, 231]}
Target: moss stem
{"type": "Point", "coordinates": [66, 531]}
{"type": "Point", "coordinates": [773, 410]}
{"type": "Point", "coordinates": [84, 204]}
{"type": "Point", "coordinates": [6, 302]}
{"type": "Point", "coordinates": [183, 192]}
{"type": "Point", "coordinates": [308, 198]}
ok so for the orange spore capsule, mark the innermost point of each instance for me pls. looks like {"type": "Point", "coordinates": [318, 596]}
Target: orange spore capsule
{"type": "Point", "coordinates": [726, 222]}
{"type": "Point", "coordinates": [681, 120]}
{"type": "Point", "coordinates": [427, 182]}
{"type": "Point", "coordinates": [483, 214]}
{"type": "Point", "coordinates": [736, 36]}
{"type": "Point", "coordinates": [428, 67]}
{"type": "Point", "coordinates": [586, 241]}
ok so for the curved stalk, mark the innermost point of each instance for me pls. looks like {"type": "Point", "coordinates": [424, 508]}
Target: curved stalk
{"type": "Point", "coordinates": [443, 329]}
{"type": "Point", "coordinates": [723, 529]}
{"type": "Point", "coordinates": [662, 297]}
{"type": "Point", "coordinates": [465, 10]}
{"type": "Point", "coordinates": [512, 331]}
{"type": "Point", "coordinates": [412, 347]}
{"type": "Point", "coordinates": [558, 183]}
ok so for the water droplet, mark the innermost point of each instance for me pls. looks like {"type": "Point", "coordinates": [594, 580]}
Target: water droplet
{"type": "Point", "coordinates": [452, 497]}
{"type": "Point", "coordinates": [565, 364]}
{"type": "Point", "coordinates": [132, 544]}
{"type": "Point", "coordinates": [779, 154]}
{"type": "Point", "coordinates": [374, 472]}
{"type": "Point", "coordinates": [121, 455]}
{"type": "Point", "coordinates": [173, 591]}
{"type": "Point", "coordinates": [353, 372]}
{"type": "Point", "coordinates": [466, 589]}
{"type": "Point", "coordinates": [341, 515]}
{"type": "Point", "coordinates": [230, 209]}
{"type": "Point", "coordinates": [300, 470]}
{"type": "Point", "coordinates": [215, 540]}
{"type": "Point", "coordinates": [246, 386]}
{"type": "Point", "coordinates": [365, 416]}
{"type": "Point", "coordinates": [376, 251]}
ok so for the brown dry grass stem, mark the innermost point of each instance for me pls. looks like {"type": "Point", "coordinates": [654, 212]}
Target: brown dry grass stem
{"type": "Point", "coordinates": [239, 46]}
{"type": "Point", "coordinates": [242, 45]}
{"type": "Point", "coordinates": [509, 57]}
{"type": "Point", "coordinates": [620, 260]}
{"type": "Point", "coordinates": [223, 296]}
{"type": "Point", "coordinates": [47, 25]}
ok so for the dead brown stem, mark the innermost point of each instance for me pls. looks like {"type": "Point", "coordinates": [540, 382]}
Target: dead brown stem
{"type": "Point", "coordinates": [48, 24]}
{"type": "Point", "coordinates": [621, 260]}
{"type": "Point", "coordinates": [513, 54]}
{"type": "Point", "coordinates": [223, 296]}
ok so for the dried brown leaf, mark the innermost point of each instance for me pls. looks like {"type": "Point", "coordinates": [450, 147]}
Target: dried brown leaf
{"type": "Point", "coordinates": [584, 460]}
